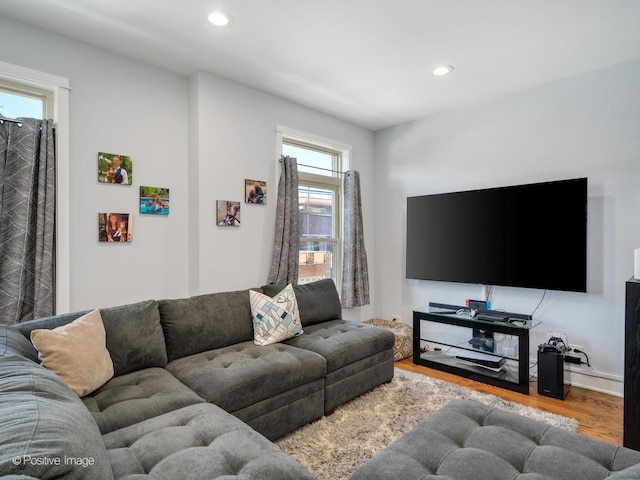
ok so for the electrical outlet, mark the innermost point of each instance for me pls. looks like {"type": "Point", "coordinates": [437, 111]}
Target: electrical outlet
{"type": "Point", "coordinates": [396, 318]}
{"type": "Point", "coordinates": [573, 348]}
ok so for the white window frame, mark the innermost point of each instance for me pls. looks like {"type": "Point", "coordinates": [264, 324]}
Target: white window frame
{"type": "Point", "coordinates": [334, 183]}
{"type": "Point", "coordinates": [29, 91]}
{"type": "Point", "coordinates": [57, 88]}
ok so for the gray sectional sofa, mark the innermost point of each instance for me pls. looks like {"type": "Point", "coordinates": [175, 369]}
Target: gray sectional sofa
{"type": "Point", "coordinates": [192, 396]}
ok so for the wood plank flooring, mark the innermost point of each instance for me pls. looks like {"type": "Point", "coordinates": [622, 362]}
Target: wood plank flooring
{"type": "Point", "coordinates": [599, 414]}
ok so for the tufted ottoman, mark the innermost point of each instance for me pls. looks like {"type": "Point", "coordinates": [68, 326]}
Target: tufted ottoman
{"type": "Point", "coordinates": [466, 440]}
{"type": "Point", "coordinates": [195, 442]}
{"type": "Point", "coordinates": [403, 346]}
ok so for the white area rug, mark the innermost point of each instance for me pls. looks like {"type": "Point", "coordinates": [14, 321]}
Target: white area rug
{"type": "Point", "coordinates": [333, 447]}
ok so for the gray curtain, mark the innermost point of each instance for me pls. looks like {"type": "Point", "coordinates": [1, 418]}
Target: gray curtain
{"type": "Point", "coordinates": [284, 264]}
{"type": "Point", "coordinates": [355, 272]}
{"type": "Point", "coordinates": [27, 216]}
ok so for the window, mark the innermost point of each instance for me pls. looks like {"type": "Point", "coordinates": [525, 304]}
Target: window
{"type": "Point", "coordinates": [22, 101]}
{"type": "Point", "coordinates": [319, 196]}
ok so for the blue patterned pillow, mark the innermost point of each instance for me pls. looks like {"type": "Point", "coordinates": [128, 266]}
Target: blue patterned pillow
{"type": "Point", "coordinates": [275, 319]}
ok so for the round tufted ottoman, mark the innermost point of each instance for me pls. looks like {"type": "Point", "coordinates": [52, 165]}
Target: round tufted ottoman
{"type": "Point", "coordinates": [403, 346]}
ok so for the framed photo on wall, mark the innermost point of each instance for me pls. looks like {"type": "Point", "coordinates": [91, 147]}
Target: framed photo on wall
{"type": "Point", "coordinates": [115, 227]}
{"type": "Point", "coordinates": [227, 213]}
{"type": "Point", "coordinates": [115, 168]}
{"type": "Point", "coordinates": [255, 191]}
{"type": "Point", "coordinates": [154, 200]}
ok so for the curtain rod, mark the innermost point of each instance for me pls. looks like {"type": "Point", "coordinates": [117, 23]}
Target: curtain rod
{"type": "Point", "coordinates": [321, 168]}
{"type": "Point", "coordinates": [5, 119]}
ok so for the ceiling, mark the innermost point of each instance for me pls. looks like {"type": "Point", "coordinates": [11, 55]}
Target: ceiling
{"type": "Point", "coordinates": [366, 61]}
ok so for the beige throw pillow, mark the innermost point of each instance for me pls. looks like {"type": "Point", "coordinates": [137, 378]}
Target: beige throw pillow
{"type": "Point", "coordinates": [76, 352]}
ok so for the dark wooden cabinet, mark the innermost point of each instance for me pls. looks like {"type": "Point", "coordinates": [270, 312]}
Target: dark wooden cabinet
{"type": "Point", "coordinates": [632, 366]}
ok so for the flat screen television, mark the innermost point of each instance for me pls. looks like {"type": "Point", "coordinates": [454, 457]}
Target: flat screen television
{"type": "Point", "coordinates": [531, 236]}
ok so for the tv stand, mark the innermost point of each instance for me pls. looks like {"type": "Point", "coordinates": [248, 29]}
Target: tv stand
{"type": "Point", "coordinates": [447, 334]}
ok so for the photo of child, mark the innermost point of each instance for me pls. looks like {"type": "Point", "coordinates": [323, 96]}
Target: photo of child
{"type": "Point", "coordinates": [228, 213]}
{"type": "Point", "coordinates": [114, 168]}
{"type": "Point", "coordinates": [114, 227]}
{"type": "Point", "coordinates": [154, 200]}
{"type": "Point", "coordinates": [255, 191]}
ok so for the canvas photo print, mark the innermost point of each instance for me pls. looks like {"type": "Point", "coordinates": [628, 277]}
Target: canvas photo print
{"type": "Point", "coordinates": [154, 200]}
{"type": "Point", "coordinates": [114, 227]}
{"type": "Point", "coordinates": [255, 191]}
{"type": "Point", "coordinates": [228, 213]}
{"type": "Point", "coordinates": [115, 168]}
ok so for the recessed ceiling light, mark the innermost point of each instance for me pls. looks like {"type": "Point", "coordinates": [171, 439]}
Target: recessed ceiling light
{"type": "Point", "coordinates": [220, 18]}
{"type": "Point", "coordinates": [441, 70]}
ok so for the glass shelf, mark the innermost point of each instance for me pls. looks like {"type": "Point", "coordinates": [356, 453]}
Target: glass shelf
{"type": "Point", "coordinates": [460, 341]}
{"type": "Point", "coordinates": [508, 373]}
{"type": "Point", "coordinates": [515, 321]}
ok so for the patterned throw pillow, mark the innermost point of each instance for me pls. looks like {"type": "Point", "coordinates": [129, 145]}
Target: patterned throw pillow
{"type": "Point", "coordinates": [275, 319]}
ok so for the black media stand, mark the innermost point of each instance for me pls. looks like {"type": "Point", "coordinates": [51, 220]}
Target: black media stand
{"type": "Point", "coordinates": [452, 339]}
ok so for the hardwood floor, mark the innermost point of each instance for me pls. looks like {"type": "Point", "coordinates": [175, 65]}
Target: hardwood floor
{"type": "Point", "coordinates": [599, 414]}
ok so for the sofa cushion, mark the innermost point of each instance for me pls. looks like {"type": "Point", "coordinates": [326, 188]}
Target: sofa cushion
{"type": "Point", "coordinates": [343, 342]}
{"type": "Point", "coordinates": [134, 334]}
{"type": "Point", "coordinates": [136, 396]}
{"type": "Point", "coordinates": [317, 301]}
{"type": "Point", "coordinates": [205, 322]}
{"type": "Point", "coordinates": [631, 473]}
{"type": "Point", "coordinates": [76, 352]}
{"type": "Point", "coordinates": [243, 374]}
{"type": "Point", "coordinates": [274, 319]}
{"type": "Point", "coordinates": [13, 342]}
{"type": "Point", "coordinates": [197, 442]}
{"type": "Point", "coordinates": [45, 426]}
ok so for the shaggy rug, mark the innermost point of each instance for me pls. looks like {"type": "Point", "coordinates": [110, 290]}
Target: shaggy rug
{"type": "Point", "coordinates": [336, 445]}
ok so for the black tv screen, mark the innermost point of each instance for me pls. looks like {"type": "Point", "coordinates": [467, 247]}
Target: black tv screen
{"type": "Point", "coordinates": [532, 236]}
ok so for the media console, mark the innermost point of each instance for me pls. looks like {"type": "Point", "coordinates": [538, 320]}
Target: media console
{"type": "Point", "coordinates": [458, 343]}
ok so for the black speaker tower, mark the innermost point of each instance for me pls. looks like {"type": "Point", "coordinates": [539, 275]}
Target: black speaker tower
{"type": "Point", "coordinates": [551, 375]}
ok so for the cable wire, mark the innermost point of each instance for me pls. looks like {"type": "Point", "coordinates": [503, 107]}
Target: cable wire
{"type": "Point", "coordinates": [539, 303]}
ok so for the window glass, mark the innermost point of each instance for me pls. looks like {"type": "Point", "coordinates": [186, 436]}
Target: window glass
{"type": "Point", "coordinates": [14, 105]}
{"type": "Point", "coordinates": [316, 211]}
{"type": "Point", "coordinates": [319, 192]}
{"type": "Point", "coordinates": [311, 160]}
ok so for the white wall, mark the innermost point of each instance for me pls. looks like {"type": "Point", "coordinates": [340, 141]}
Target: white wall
{"type": "Point", "coordinates": [118, 106]}
{"type": "Point", "coordinates": [581, 126]}
{"type": "Point", "coordinates": [234, 132]}
{"type": "Point", "coordinates": [199, 136]}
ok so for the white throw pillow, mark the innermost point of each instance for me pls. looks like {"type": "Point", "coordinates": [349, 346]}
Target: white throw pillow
{"type": "Point", "coordinates": [76, 352]}
{"type": "Point", "coordinates": [275, 319]}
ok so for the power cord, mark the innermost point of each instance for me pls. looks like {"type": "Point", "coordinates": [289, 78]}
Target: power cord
{"type": "Point", "coordinates": [580, 352]}
{"type": "Point", "coordinates": [544, 294]}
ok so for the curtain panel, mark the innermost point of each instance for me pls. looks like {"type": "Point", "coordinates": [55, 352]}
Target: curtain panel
{"type": "Point", "coordinates": [284, 263]}
{"type": "Point", "coordinates": [27, 219]}
{"type": "Point", "coordinates": [355, 272]}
